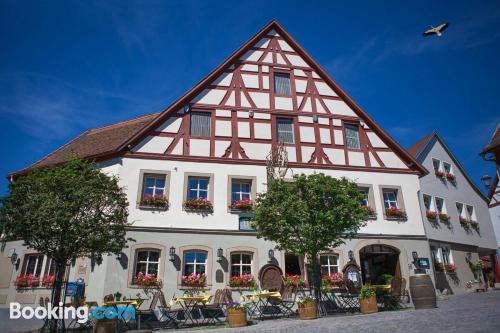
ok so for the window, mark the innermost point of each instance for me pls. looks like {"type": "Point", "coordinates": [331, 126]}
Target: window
{"type": "Point", "coordinates": [329, 263]}
{"type": "Point", "coordinates": [440, 206]}
{"type": "Point", "coordinates": [446, 254]}
{"type": "Point", "coordinates": [241, 189]}
{"type": "Point", "coordinates": [147, 262]}
{"type": "Point", "coordinates": [284, 128]}
{"type": "Point", "coordinates": [447, 167]}
{"type": "Point", "coordinates": [390, 199]}
{"type": "Point", "coordinates": [352, 137]}
{"type": "Point", "coordinates": [195, 262]}
{"type": "Point", "coordinates": [471, 213]}
{"type": "Point", "coordinates": [427, 202]}
{"type": "Point", "coordinates": [365, 201]}
{"type": "Point", "coordinates": [197, 187]}
{"type": "Point", "coordinates": [154, 185]}
{"type": "Point", "coordinates": [282, 84]}
{"type": "Point", "coordinates": [241, 263]}
{"type": "Point", "coordinates": [200, 123]}
{"type": "Point", "coordinates": [33, 264]}
{"type": "Point", "coordinates": [436, 164]}
{"type": "Point", "coordinates": [50, 267]}
{"type": "Point", "coordinates": [435, 255]}
{"type": "Point", "coordinates": [245, 223]}
{"type": "Point", "coordinates": [460, 209]}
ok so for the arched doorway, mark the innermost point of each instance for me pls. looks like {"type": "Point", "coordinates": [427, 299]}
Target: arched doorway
{"type": "Point", "coordinates": [378, 260]}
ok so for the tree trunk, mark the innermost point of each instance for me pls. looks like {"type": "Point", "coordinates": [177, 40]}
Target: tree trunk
{"type": "Point", "coordinates": [56, 297]}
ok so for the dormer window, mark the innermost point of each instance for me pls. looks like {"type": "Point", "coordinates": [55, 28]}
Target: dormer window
{"type": "Point", "coordinates": [352, 137]}
{"type": "Point", "coordinates": [282, 84]}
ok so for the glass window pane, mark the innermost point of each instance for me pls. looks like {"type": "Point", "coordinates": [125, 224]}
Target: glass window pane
{"type": "Point", "coordinates": [201, 257]}
{"type": "Point", "coordinates": [333, 260]}
{"type": "Point", "coordinates": [282, 84]}
{"type": "Point", "coordinates": [246, 258]}
{"type": "Point", "coordinates": [200, 269]}
{"type": "Point", "coordinates": [435, 164]}
{"type": "Point", "coordinates": [245, 196]}
{"type": "Point", "coordinates": [148, 191]}
{"type": "Point", "coordinates": [285, 130]}
{"type": "Point", "coordinates": [153, 269]}
{"type": "Point", "coordinates": [203, 183]}
{"type": "Point", "coordinates": [235, 187]}
{"type": "Point", "coordinates": [352, 137]}
{"type": "Point", "coordinates": [142, 255]}
{"type": "Point", "coordinates": [140, 268]}
{"type": "Point", "coordinates": [203, 194]}
{"type": "Point", "coordinates": [192, 194]}
{"type": "Point", "coordinates": [246, 270]}
{"type": "Point", "coordinates": [189, 257]}
{"type": "Point", "coordinates": [235, 258]}
{"type": "Point", "coordinates": [149, 182]}
{"type": "Point", "coordinates": [245, 187]}
{"type": "Point", "coordinates": [200, 123]}
{"type": "Point", "coordinates": [324, 270]}
{"type": "Point", "coordinates": [235, 197]}
{"type": "Point", "coordinates": [160, 182]}
{"type": "Point", "coordinates": [323, 260]}
{"type": "Point", "coordinates": [235, 270]}
{"type": "Point", "coordinates": [188, 269]}
{"type": "Point", "coordinates": [154, 256]}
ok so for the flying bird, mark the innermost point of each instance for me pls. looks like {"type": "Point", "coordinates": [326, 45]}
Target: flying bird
{"type": "Point", "coordinates": [437, 30]}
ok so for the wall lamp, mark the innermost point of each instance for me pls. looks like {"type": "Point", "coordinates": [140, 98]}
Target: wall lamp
{"type": "Point", "coordinates": [171, 253]}
{"type": "Point", "coordinates": [486, 180]}
{"type": "Point", "coordinates": [414, 254]}
{"type": "Point", "coordinates": [13, 257]}
{"type": "Point", "coordinates": [350, 254]}
{"type": "Point", "coordinates": [220, 254]}
{"type": "Point", "coordinates": [271, 255]}
{"type": "Point", "coordinates": [251, 113]}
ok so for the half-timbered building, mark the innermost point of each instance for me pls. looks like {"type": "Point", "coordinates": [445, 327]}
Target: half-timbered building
{"type": "Point", "coordinates": [212, 143]}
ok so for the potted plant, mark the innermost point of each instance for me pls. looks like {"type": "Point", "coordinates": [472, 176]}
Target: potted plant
{"type": "Point", "coordinates": [438, 267]}
{"type": "Point", "coordinates": [464, 222]}
{"type": "Point", "coordinates": [237, 314]}
{"type": "Point", "coordinates": [27, 281]}
{"type": "Point", "coordinates": [242, 281]}
{"type": "Point", "coordinates": [117, 296]}
{"type": "Point", "coordinates": [198, 204]}
{"type": "Point", "coordinates": [450, 268]}
{"type": "Point", "coordinates": [395, 212]}
{"type": "Point", "coordinates": [243, 205]}
{"type": "Point", "coordinates": [440, 174]}
{"type": "Point", "coordinates": [367, 300]}
{"type": "Point", "coordinates": [48, 281]}
{"type": "Point", "coordinates": [431, 215]}
{"type": "Point", "coordinates": [194, 283]}
{"type": "Point", "coordinates": [155, 201]}
{"type": "Point", "coordinates": [332, 280]}
{"type": "Point", "coordinates": [148, 282]}
{"type": "Point", "coordinates": [473, 223]}
{"type": "Point", "coordinates": [293, 282]}
{"type": "Point", "coordinates": [370, 211]}
{"type": "Point", "coordinates": [443, 217]}
{"type": "Point", "coordinates": [450, 176]}
{"type": "Point", "coordinates": [307, 308]}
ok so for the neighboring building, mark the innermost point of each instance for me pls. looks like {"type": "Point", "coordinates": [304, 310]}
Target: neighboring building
{"type": "Point", "coordinates": [491, 153]}
{"type": "Point", "coordinates": [455, 213]}
{"type": "Point", "coordinates": [212, 143]}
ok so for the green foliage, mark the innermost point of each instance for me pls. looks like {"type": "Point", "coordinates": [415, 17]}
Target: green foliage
{"type": "Point", "coordinates": [366, 291]}
{"type": "Point", "coordinates": [66, 212]}
{"type": "Point", "coordinates": [384, 279]}
{"type": "Point", "coordinates": [310, 214]}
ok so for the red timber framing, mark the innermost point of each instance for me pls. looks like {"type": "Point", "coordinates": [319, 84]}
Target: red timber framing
{"type": "Point", "coordinates": [318, 129]}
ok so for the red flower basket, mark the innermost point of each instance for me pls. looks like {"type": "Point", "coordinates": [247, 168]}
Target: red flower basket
{"type": "Point", "coordinates": [27, 281]}
{"type": "Point", "coordinates": [440, 174]}
{"type": "Point", "coordinates": [244, 204]}
{"type": "Point", "coordinates": [242, 281]}
{"type": "Point", "coordinates": [194, 280]}
{"type": "Point", "coordinates": [450, 268]}
{"type": "Point", "coordinates": [450, 177]}
{"type": "Point", "coordinates": [395, 212]}
{"type": "Point", "coordinates": [295, 281]}
{"type": "Point", "coordinates": [159, 201]}
{"type": "Point", "coordinates": [48, 281]}
{"type": "Point", "coordinates": [147, 280]}
{"type": "Point", "coordinates": [333, 280]}
{"type": "Point", "coordinates": [431, 215]}
{"type": "Point", "coordinates": [443, 217]}
{"type": "Point", "coordinates": [198, 203]}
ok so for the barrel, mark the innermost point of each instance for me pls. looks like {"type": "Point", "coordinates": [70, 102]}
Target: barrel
{"type": "Point", "coordinates": [422, 292]}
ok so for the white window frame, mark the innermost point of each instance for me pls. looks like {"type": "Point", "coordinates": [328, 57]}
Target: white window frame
{"type": "Point", "coordinates": [461, 211]}
{"type": "Point", "coordinates": [155, 188]}
{"type": "Point", "coordinates": [440, 165]}
{"type": "Point", "coordinates": [472, 216]}
{"type": "Point", "coordinates": [198, 189]}
{"type": "Point", "coordinates": [148, 261]}
{"type": "Point", "coordinates": [431, 202]}
{"type": "Point", "coordinates": [38, 264]}
{"type": "Point", "coordinates": [388, 200]}
{"type": "Point", "coordinates": [240, 193]}
{"type": "Point", "coordinates": [330, 266]}
{"type": "Point", "coordinates": [240, 264]}
{"type": "Point", "coordinates": [444, 167]}
{"type": "Point", "coordinates": [195, 263]}
{"type": "Point", "coordinates": [443, 207]}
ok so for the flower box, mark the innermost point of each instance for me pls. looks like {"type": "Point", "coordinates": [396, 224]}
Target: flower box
{"type": "Point", "coordinates": [450, 177]}
{"type": "Point", "coordinates": [147, 280]}
{"type": "Point", "coordinates": [154, 201]}
{"type": "Point", "coordinates": [333, 280]}
{"type": "Point", "coordinates": [464, 222]}
{"type": "Point", "coordinates": [27, 281]}
{"type": "Point", "coordinates": [241, 205]}
{"type": "Point", "coordinates": [371, 214]}
{"type": "Point", "coordinates": [431, 215]}
{"type": "Point", "coordinates": [198, 204]}
{"type": "Point", "coordinates": [294, 282]}
{"type": "Point", "coordinates": [450, 268]}
{"type": "Point", "coordinates": [443, 217]}
{"type": "Point", "coordinates": [395, 213]}
{"type": "Point", "coordinates": [194, 281]}
{"type": "Point", "coordinates": [440, 174]}
{"type": "Point", "coordinates": [48, 281]}
{"type": "Point", "coordinates": [242, 281]}
{"type": "Point", "coordinates": [473, 223]}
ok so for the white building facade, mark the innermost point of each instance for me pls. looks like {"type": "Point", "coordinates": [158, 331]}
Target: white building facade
{"type": "Point", "coordinates": [213, 143]}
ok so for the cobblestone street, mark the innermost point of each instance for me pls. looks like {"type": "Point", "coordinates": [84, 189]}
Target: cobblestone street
{"type": "Point", "coordinates": [460, 314]}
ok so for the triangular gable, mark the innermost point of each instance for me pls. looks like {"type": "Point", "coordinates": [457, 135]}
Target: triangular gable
{"type": "Point", "coordinates": [244, 82]}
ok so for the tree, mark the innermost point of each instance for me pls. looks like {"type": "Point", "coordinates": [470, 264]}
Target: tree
{"type": "Point", "coordinates": [309, 215]}
{"type": "Point", "coordinates": [66, 212]}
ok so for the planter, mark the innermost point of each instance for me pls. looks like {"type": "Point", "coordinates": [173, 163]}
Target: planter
{"type": "Point", "coordinates": [368, 305]}
{"type": "Point", "coordinates": [237, 317]}
{"type": "Point", "coordinates": [308, 311]}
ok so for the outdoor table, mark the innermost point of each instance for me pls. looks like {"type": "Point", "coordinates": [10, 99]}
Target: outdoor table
{"type": "Point", "coordinates": [190, 303]}
{"type": "Point", "coordinates": [127, 303]}
{"type": "Point", "coordinates": [261, 301]}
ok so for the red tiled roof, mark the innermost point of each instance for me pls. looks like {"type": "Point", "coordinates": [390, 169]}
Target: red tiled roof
{"type": "Point", "coordinates": [94, 142]}
{"type": "Point", "coordinates": [418, 146]}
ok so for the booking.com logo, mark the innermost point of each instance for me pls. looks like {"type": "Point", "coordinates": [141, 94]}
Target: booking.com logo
{"type": "Point", "coordinates": [81, 314]}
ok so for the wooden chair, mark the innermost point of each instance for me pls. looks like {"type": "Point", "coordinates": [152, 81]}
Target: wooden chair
{"type": "Point", "coordinates": [287, 302]}
{"type": "Point", "coordinates": [213, 311]}
{"type": "Point", "coordinates": [149, 312]}
{"type": "Point", "coordinates": [167, 316]}
{"type": "Point", "coordinates": [398, 291]}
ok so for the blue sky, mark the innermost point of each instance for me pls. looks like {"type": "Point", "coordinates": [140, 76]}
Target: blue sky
{"type": "Point", "coordinates": [66, 66]}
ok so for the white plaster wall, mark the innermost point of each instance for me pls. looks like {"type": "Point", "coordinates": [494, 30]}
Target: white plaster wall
{"type": "Point", "coordinates": [356, 158]}
{"type": "Point", "coordinates": [171, 125]}
{"type": "Point", "coordinates": [260, 99]}
{"type": "Point", "coordinates": [375, 140]}
{"type": "Point", "coordinates": [283, 103]}
{"type": "Point", "coordinates": [262, 130]}
{"type": "Point", "coordinates": [209, 96]}
{"type": "Point", "coordinates": [307, 134]}
{"type": "Point", "coordinates": [338, 107]}
{"type": "Point", "coordinates": [495, 220]}
{"type": "Point", "coordinates": [199, 147]}
{"type": "Point", "coordinates": [243, 129]}
{"type": "Point", "coordinates": [391, 160]}
{"type": "Point", "coordinates": [223, 128]}
{"type": "Point", "coordinates": [324, 89]}
{"type": "Point", "coordinates": [153, 144]}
